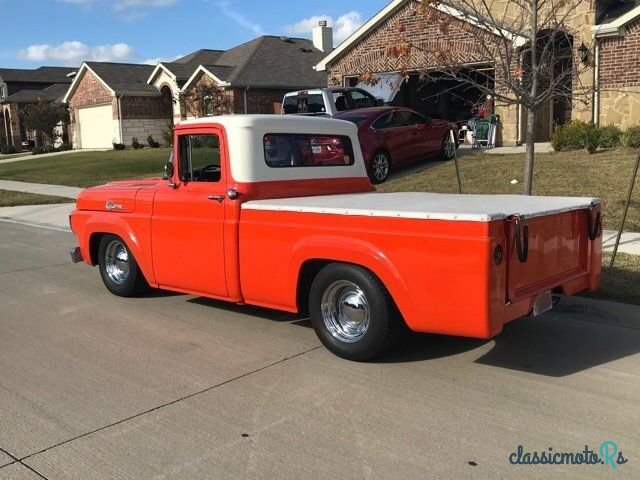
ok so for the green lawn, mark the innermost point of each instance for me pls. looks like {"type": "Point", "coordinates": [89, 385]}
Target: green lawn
{"type": "Point", "coordinates": [603, 174]}
{"type": "Point", "coordinates": [13, 199]}
{"type": "Point", "coordinates": [85, 169]}
{"type": "Point", "coordinates": [622, 282]}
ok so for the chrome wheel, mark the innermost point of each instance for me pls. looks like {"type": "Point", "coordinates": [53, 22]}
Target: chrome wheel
{"type": "Point", "coordinates": [380, 166]}
{"type": "Point", "coordinates": [116, 262]}
{"type": "Point", "coordinates": [448, 147]}
{"type": "Point", "coordinates": [345, 311]}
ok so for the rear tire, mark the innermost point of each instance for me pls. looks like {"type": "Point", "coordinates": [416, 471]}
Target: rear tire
{"type": "Point", "coordinates": [352, 312]}
{"type": "Point", "coordinates": [118, 268]}
{"type": "Point", "coordinates": [379, 167]}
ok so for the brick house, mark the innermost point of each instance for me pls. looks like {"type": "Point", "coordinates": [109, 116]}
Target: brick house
{"type": "Point", "coordinates": [113, 102]}
{"type": "Point", "coordinates": [21, 87]}
{"type": "Point", "coordinates": [612, 77]}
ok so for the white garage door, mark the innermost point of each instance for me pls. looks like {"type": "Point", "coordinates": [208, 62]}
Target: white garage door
{"type": "Point", "coordinates": [96, 126]}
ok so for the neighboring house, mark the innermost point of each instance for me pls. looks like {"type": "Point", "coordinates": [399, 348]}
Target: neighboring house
{"type": "Point", "coordinates": [21, 87]}
{"type": "Point", "coordinates": [113, 102]}
{"type": "Point", "coordinates": [613, 73]}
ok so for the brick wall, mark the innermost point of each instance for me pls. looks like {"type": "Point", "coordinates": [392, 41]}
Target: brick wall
{"type": "Point", "coordinates": [620, 59]}
{"type": "Point", "coordinates": [259, 100]}
{"type": "Point", "coordinates": [134, 108]}
{"type": "Point", "coordinates": [90, 91]}
{"type": "Point", "coordinates": [369, 54]}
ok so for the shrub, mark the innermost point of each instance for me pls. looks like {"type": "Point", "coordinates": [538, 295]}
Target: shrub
{"type": "Point", "coordinates": [118, 146]}
{"type": "Point", "coordinates": [136, 144]}
{"type": "Point", "coordinates": [152, 143]}
{"type": "Point", "coordinates": [63, 147]}
{"type": "Point", "coordinates": [610, 136]}
{"type": "Point", "coordinates": [631, 137]}
{"type": "Point", "coordinates": [592, 134]}
{"type": "Point", "coordinates": [569, 136]}
{"type": "Point", "coordinates": [39, 150]}
{"type": "Point", "coordinates": [8, 149]}
{"type": "Point", "coordinates": [167, 134]}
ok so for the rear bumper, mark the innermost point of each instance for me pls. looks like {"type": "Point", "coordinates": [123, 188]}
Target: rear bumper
{"type": "Point", "coordinates": [76, 255]}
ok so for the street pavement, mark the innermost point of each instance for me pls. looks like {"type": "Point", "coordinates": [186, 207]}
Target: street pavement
{"type": "Point", "coordinates": [93, 386]}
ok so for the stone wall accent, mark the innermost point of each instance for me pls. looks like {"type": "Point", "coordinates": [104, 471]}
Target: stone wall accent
{"type": "Point", "coordinates": [141, 128]}
{"type": "Point", "coordinates": [620, 106]}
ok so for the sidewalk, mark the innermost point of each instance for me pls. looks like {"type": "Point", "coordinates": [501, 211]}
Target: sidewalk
{"type": "Point", "coordinates": [28, 156]}
{"type": "Point", "coordinates": [40, 188]}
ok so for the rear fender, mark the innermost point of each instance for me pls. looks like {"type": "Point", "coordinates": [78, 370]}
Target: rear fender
{"type": "Point", "coordinates": [353, 251]}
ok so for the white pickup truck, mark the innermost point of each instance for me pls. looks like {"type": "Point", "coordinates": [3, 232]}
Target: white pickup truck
{"type": "Point", "coordinates": [327, 101]}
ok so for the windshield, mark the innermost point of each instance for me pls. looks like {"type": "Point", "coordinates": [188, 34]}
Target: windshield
{"type": "Point", "coordinates": [303, 104]}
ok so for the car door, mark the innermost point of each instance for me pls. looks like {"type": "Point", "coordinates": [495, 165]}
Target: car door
{"type": "Point", "coordinates": [407, 136]}
{"type": "Point", "coordinates": [187, 223]}
{"type": "Point", "coordinates": [392, 136]}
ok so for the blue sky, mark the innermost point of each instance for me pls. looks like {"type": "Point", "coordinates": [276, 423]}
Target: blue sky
{"type": "Point", "coordinates": [65, 32]}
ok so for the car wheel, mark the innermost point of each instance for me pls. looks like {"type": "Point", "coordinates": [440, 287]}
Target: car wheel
{"type": "Point", "coordinates": [448, 149]}
{"type": "Point", "coordinates": [380, 166]}
{"type": "Point", "coordinates": [352, 312]}
{"type": "Point", "coordinates": [118, 269]}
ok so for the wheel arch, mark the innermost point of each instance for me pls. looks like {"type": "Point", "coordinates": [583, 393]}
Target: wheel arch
{"type": "Point", "coordinates": [310, 256]}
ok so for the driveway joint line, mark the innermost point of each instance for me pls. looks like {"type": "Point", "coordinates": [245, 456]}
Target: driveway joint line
{"type": "Point", "coordinates": [172, 402]}
{"type": "Point", "coordinates": [19, 462]}
{"type": "Point", "coordinates": [35, 268]}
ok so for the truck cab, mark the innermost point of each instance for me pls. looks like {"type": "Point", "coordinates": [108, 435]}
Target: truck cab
{"type": "Point", "coordinates": [279, 212]}
{"type": "Point", "coordinates": [328, 101]}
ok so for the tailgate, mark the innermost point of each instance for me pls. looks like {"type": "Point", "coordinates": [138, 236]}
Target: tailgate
{"type": "Point", "coordinates": [559, 250]}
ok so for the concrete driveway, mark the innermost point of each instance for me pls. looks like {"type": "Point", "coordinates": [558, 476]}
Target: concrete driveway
{"type": "Point", "coordinates": [170, 386]}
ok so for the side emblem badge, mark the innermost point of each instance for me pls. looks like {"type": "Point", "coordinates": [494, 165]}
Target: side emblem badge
{"type": "Point", "coordinates": [112, 206]}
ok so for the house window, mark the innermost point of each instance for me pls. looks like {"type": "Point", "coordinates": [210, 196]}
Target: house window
{"type": "Point", "coordinates": [209, 106]}
{"type": "Point", "coordinates": [351, 81]}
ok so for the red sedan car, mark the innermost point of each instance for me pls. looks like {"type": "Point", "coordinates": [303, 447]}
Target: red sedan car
{"type": "Point", "coordinates": [394, 136]}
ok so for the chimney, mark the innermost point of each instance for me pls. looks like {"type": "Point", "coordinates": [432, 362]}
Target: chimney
{"type": "Point", "coordinates": [323, 37]}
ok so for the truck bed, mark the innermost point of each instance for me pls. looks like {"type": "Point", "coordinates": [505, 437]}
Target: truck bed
{"type": "Point", "coordinates": [433, 206]}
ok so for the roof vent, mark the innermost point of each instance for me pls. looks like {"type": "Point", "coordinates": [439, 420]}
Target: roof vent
{"type": "Point", "coordinates": [71, 74]}
{"type": "Point", "coordinates": [285, 39]}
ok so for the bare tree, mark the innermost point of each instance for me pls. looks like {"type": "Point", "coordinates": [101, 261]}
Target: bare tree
{"type": "Point", "coordinates": [207, 99]}
{"type": "Point", "coordinates": [529, 43]}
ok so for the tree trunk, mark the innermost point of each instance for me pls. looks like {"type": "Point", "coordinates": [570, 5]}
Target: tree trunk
{"type": "Point", "coordinates": [529, 152]}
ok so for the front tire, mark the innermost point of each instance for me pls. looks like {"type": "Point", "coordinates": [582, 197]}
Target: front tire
{"type": "Point", "coordinates": [352, 312]}
{"type": "Point", "coordinates": [380, 166]}
{"type": "Point", "coordinates": [118, 269]}
{"type": "Point", "coordinates": [448, 149]}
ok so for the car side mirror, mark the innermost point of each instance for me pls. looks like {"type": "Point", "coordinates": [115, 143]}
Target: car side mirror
{"type": "Point", "coordinates": [168, 171]}
{"type": "Point", "coordinates": [379, 102]}
{"type": "Point", "coordinates": [427, 121]}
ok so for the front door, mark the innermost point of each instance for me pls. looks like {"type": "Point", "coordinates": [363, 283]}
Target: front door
{"type": "Point", "coordinates": [188, 218]}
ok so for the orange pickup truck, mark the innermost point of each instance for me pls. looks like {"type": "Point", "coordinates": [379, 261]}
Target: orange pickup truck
{"type": "Point", "coordinates": [279, 212]}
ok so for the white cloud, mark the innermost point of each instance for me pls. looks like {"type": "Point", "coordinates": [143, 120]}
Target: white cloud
{"type": "Point", "coordinates": [75, 52]}
{"type": "Point", "coordinates": [343, 26]}
{"type": "Point", "coordinates": [239, 18]}
{"type": "Point", "coordinates": [156, 60]}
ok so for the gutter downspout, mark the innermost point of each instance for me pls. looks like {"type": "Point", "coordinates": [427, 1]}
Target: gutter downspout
{"type": "Point", "coordinates": [246, 110]}
{"type": "Point", "coordinates": [120, 119]}
{"type": "Point", "coordinates": [596, 85]}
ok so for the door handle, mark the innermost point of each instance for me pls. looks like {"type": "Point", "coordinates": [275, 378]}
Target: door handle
{"type": "Point", "coordinates": [217, 198]}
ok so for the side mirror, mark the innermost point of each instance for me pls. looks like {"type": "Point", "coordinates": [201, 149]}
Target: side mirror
{"type": "Point", "coordinates": [427, 121]}
{"type": "Point", "coordinates": [168, 171]}
{"type": "Point", "coordinates": [379, 102]}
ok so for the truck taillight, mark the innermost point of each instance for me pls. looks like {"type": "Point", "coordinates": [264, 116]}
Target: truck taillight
{"type": "Point", "coordinates": [268, 141]}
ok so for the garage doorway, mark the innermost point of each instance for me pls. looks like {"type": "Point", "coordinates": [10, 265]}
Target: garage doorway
{"type": "Point", "coordinates": [440, 96]}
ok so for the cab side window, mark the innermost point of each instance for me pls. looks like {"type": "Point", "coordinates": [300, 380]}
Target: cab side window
{"type": "Point", "coordinates": [199, 158]}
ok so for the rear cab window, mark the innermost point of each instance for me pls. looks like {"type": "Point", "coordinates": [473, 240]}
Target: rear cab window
{"type": "Point", "coordinates": [303, 103]}
{"type": "Point", "coordinates": [287, 150]}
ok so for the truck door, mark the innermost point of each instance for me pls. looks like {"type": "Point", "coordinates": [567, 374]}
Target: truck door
{"type": "Point", "coordinates": [188, 217]}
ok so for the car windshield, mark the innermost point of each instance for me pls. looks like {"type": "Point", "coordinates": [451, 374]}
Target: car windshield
{"type": "Point", "coordinates": [303, 104]}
